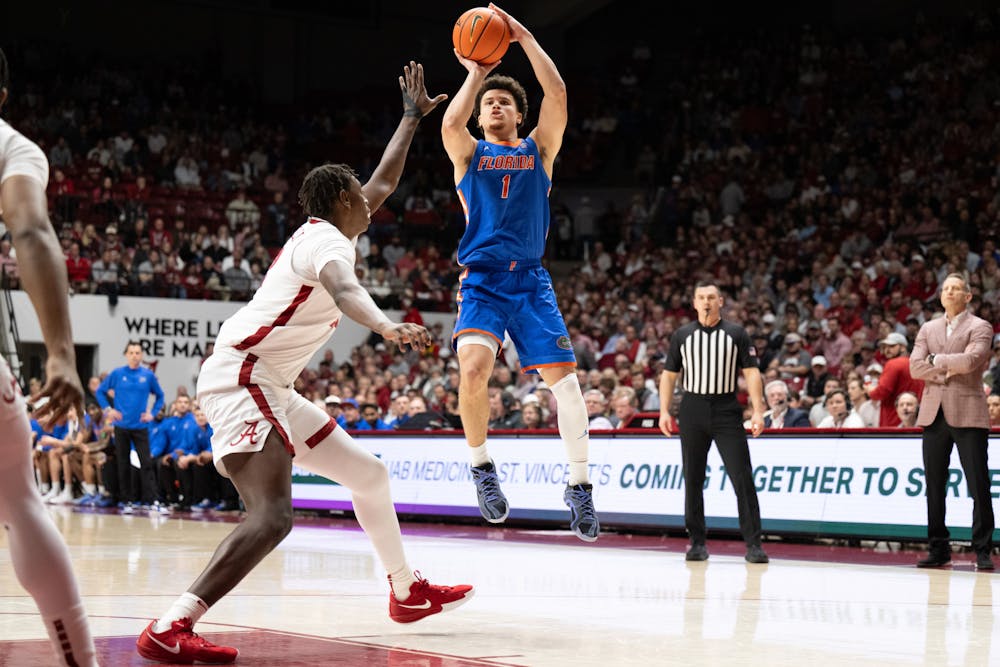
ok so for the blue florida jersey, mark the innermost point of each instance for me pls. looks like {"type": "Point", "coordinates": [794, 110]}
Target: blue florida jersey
{"type": "Point", "coordinates": [505, 194]}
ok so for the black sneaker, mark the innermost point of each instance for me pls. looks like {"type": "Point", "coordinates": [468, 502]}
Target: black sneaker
{"type": "Point", "coordinates": [583, 518]}
{"type": "Point", "coordinates": [492, 502]}
{"type": "Point", "coordinates": [984, 562]}
{"type": "Point", "coordinates": [936, 559]}
{"type": "Point", "coordinates": [755, 554]}
{"type": "Point", "coordinates": [696, 552]}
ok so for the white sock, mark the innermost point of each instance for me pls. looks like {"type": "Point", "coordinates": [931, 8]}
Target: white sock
{"type": "Point", "coordinates": [71, 638]}
{"type": "Point", "coordinates": [44, 488]}
{"type": "Point", "coordinates": [480, 456]}
{"type": "Point", "coordinates": [89, 489]}
{"type": "Point", "coordinates": [573, 426]}
{"type": "Point", "coordinates": [401, 581]}
{"type": "Point", "coordinates": [187, 605]}
{"type": "Point", "coordinates": [101, 490]}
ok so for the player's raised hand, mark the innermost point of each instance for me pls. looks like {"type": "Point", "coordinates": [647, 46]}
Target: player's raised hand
{"type": "Point", "coordinates": [407, 333]}
{"type": "Point", "coordinates": [62, 388]}
{"type": "Point", "coordinates": [517, 31]}
{"type": "Point", "coordinates": [473, 66]}
{"type": "Point", "coordinates": [416, 101]}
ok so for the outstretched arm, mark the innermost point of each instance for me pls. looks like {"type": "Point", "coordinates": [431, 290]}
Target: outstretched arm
{"type": "Point", "coordinates": [340, 281]}
{"type": "Point", "coordinates": [416, 105]}
{"type": "Point", "coordinates": [43, 275]}
{"type": "Point", "coordinates": [553, 113]}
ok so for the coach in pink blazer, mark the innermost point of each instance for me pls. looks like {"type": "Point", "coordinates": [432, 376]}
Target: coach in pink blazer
{"type": "Point", "coordinates": [950, 355]}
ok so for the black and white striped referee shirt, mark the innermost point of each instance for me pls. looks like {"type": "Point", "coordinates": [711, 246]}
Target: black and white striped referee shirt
{"type": "Point", "coordinates": [712, 358]}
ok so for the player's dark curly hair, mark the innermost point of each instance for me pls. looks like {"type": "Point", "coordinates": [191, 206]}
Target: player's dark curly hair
{"type": "Point", "coordinates": [500, 82]}
{"type": "Point", "coordinates": [321, 186]}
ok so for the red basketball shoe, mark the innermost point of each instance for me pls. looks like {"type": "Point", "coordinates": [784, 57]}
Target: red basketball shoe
{"type": "Point", "coordinates": [181, 644]}
{"type": "Point", "coordinates": [427, 599]}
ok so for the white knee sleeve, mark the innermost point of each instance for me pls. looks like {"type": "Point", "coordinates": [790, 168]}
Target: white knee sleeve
{"type": "Point", "coordinates": [572, 418]}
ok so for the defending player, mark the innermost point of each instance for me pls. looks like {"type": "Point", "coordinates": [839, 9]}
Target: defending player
{"type": "Point", "coordinates": [503, 182]}
{"type": "Point", "coordinates": [262, 426]}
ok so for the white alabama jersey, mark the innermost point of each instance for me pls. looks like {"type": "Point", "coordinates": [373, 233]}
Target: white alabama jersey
{"type": "Point", "coordinates": [291, 315]}
{"type": "Point", "coordinates": [19, 156]}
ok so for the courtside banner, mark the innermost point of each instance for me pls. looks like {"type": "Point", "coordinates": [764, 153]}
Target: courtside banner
{"type": "Point", "coordinates": [868, 485]}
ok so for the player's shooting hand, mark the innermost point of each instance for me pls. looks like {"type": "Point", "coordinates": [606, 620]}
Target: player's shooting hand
{"type": "Point", "coordinates": [416, 101]}
{"type": "Point", "coordinates": [473, 66]}
{"type": "Point", "coordinates": [62, 388]}
{"type": "Point", "coordinates": [407, 333]}
{"type": "Point", "coordinates": [517, 31]}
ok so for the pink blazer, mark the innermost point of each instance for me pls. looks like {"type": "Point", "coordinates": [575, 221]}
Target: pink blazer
{"type": "Point", "coordinates": [966, 356]}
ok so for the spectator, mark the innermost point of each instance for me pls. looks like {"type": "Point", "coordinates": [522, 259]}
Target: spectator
{"type": "Point", "coordinates": [625, 405]}
{"type": "Point", "coordinates": [351, 418]}
{"type": "Point", "coordinates": [597, 410]}
{"type": "Point", "coordinates": [78, 268]}
{"type": "Point", "coordinates": [532, 415]}
{"type": "Point", "coordinates": [503, 414]}
{"type": "Point", "coordinates": [818, 411]}
{"type": "Point", "coordinates": [895, 379]}
{"type": "Point", "coordinates": [993, 405]}
{"type": "Point", "coordinates": [907, 405]}
{"type": "Point", "coordinates": [277, 217]}
{"type": "Point", "coordinates": [370, 416]}
{"type": "Point", "coordinates": [61, 155]}
{"type": "Point", "coordinates": [780, 414]}
{"type": "Point", "coordinates": [816, 381]}
{"type": "Point", "coordinates": [186, 173]}
{"type": "Point", "coordinates": [421, 418]}
{"type": "Point", "coordinates": [398, 410]}
{"type": "Point", "coordinates": [333, 407]}
{"type": "Point", "coordinates": [833, 344]}
{"type": "Point", "coordinates": [866, 408]}
{"type": "Point", "coordinates": [242, 210]}
{"type": "Point", "coordinates": [793, 362]}
{"type": "Point", "coordinates": [839, 412]}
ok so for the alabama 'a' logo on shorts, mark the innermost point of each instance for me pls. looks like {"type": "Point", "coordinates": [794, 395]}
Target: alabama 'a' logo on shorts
{"type": "Point", "coordinates": [249, 433]}
{"type": "Point", "coordinates": [563, 343]}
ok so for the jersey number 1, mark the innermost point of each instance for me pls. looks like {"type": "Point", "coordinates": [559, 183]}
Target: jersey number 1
{"type": "Point", "coordinates": [506, 187]}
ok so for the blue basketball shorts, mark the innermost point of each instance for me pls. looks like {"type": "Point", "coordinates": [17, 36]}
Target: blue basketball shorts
{"type": "Point", "coordinates": [521, 303]}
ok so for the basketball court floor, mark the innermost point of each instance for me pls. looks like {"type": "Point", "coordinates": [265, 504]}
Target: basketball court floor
{"type": "Point", "coordinates": [542, 598]}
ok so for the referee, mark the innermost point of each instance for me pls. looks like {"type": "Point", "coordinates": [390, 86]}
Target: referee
{"type": "Point", "coordinates": [712, 353]}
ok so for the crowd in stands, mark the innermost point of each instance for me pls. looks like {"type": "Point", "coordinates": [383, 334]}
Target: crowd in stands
{"type": "Point", "coordinates": [827, 181]}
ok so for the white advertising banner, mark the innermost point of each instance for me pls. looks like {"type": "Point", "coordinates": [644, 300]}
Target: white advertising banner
{"type": "Point", "coordinates": [172, 332]}
{"type": "Point", "coordinates": [866, 485]}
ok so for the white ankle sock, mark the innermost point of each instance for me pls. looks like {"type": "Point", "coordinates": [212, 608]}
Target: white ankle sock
{"type": "Point", "coordinates": [89, 489]}
{"type": "Point", "coordinates": [187, 605]}
{"type": "Point", "coordinates": [401, 581]}
{"type": "Point", "coordinates": [480, 456]}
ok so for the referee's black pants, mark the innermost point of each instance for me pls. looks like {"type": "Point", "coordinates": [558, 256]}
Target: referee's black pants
{"type": "Point", "coordinates": [972, 446]}
{"type": "Point", "coordinates": [702, 419]}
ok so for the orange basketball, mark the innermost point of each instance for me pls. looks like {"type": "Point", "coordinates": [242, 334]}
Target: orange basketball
{"type": "Point", "coordinates": [481, 35]}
